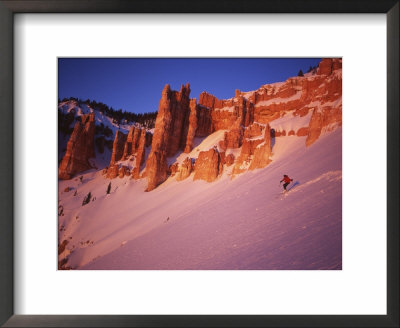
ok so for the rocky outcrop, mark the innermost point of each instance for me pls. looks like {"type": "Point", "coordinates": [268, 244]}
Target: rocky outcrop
{"type": "Point", "coordinates": [140, 154]}
{"type": "Point", "coordinates": [315, 127]}
{"type": "Point", "coordinates": [327, 65]}
{"type": "Point", "coordinates": [254, 130]}
{"type": "Point", "coordinates": [192, 126]}
{"type": "Point", "coordinates": [298, 93]}
{"type": "Point", "coordinates": [118, 147]}
{"type": "Point", "coordinates": [256, 149]}
{"type": "Point", "coordinates": [132, 142]}
{"type": "Point", "coordinates": [326, 118]}
{"type": "Point", "coordinates": [229, 159]}
{"type": "Point", "coordinates": [204, 121]}
{"type": "Point", "coordinates": [80, 148]}
{"type": "Point", "coordinates": [207, 165]}
{"type": "Point", "coordinates": [112, 171]}
{"type": "Point", "coordinates": [185, 169]}
{"type": "Point", "coordinates": [302, 132]}
{"type": "Point", "coordinates": [226, 113]}
{"type": "Point", "coordinates": [262, 152]}
{"type": "Point", "coordinates": [232, 138]}
{"type": "Point", "coordinates": [156, 169]}
{"type": "Point", "coordinates": [173, 168]}
{"type": "Point", "coordinates": [123, 171]}
{"type": "Point", "coordinates": [170, 133]}
{"type": "Point", "coordinates": [132, 146]}
{"type": "Point", "coordinates": [246, 153]}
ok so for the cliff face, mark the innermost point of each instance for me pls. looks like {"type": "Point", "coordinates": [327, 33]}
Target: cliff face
{"type": "Point", "coordinates": [246, 126]}
{"type": "Point", "coordinates": [220, 114]}
{"type": "Point", "coordinates": [80, 148]}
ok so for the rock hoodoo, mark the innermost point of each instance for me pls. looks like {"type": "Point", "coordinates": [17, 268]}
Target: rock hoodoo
{"type": "Point", "coordinates": [170, 133]}
{"type": "Point", "coordinates": [80, 148]}
{"type": "Point", "coordinates": [207, 165]}
{"type": "Point", "coordinates": [118, 147]}
{"type": "Point", "coordinates": [184, 169]}
{"type": "Point", "coordinates": [140, 153]}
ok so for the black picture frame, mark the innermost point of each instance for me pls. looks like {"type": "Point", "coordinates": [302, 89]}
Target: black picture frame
{"type": "Point", "coordinates": [10, 7]}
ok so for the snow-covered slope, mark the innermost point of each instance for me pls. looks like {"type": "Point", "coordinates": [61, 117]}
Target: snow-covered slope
{"type": "Point", "coordinates": [240, 223]}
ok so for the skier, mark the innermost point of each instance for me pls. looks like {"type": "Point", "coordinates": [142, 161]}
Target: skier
{"type": "Point", "coordinates": [287, 180]}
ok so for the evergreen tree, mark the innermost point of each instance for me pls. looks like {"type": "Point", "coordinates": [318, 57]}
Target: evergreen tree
{"type": "Point", "coordinates": [86, 200]}
{"type": "Point", "coordinates": [109, 188]}
{"type": "Point", "coordinates": [300, 73]}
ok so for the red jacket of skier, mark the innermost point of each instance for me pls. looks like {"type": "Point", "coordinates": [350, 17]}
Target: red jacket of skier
{"type": "Point", "coordinates": [286, 179]}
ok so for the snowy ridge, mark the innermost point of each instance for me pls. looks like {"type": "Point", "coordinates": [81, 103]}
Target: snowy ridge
{"type": "Point", "coordinates": [72, 106]}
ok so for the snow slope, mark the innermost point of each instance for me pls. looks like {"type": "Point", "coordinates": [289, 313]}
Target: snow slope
{"type": "Point", "coordinates": [240, 223]}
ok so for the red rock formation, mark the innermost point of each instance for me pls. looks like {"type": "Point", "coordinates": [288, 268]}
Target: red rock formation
{"type": "Point", "coordinates": [325, 66]}
{"type": "Point", "coordinates": [140, 153]}
{"type": "Point", "coordinates": [131, 142]}
{"type": "Point", "coordinates": [244, 159]}
{"type": "Point", "coordinates": [112, 171]}
{"type": "Point", "coordinates": [322, 119]}
{"type": "Point", "coordinates": [253, 130]}
{"type": "Point", "coordinates": [297, 93]}
{"type": "Point", "coordinates": [302, 132]}
{"type": "Point", "coordinates": [80, 148]}
{"type": "Point", "coordinates": [207, 165]}
{"type": "Point", "coordinates": [118, 147]}
{"type": "Point", "coordinates": [229, 159]}
{"type": "Point", "coordinates": [255, 153]}
{"type": "Point", "coordinates": [262, 152]}
{"type": "Point", "coordinates": [192, 126]}
{"type": "Point", "coordinates": [232, 138]}
{"type": "Point", "coordinates": [122, 171]}
{"type": "Point", "coordinates": [223, 119]}
{"type": "Point", "coordinates": [204, 121]}
{"type": "Point", "coordinates": [173, 168]}
{"type": "Point", "coordinates": [224, 113]}
{"type": "Point", "coordinates": [184, 169]}
{"type": "Point", "coordinates": [280, 133]}
{"type": "Point", "coordinates": [169, 133]}
{"type": "Point", "coordinates": [180, 120]}
{"type": "Point", "coordinates": [156, 169]}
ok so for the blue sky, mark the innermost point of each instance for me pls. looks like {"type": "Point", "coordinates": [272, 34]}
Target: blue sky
{"type": "Point", "coordinates": [135, 84]}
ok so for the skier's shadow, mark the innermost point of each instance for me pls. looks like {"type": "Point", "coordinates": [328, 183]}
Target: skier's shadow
{"type": "Point", "coordinates": [293, 185]}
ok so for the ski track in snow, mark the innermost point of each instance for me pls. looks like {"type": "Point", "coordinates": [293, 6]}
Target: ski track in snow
{"type": "Point", "coordinates": [227, 224]}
